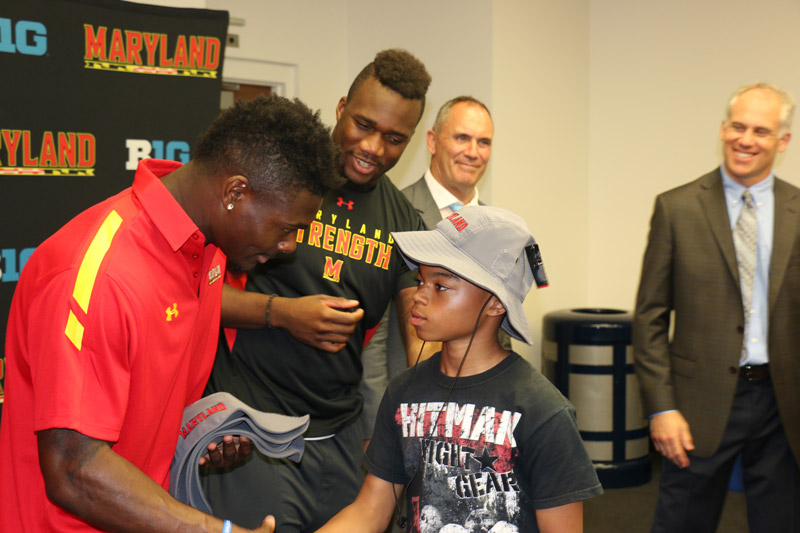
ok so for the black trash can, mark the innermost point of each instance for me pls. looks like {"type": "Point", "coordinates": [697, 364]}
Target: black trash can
{"type": "Point", "coordinates": [587, 354]}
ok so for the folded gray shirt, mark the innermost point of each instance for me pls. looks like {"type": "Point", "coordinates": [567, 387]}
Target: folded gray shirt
{"type": "Point", "coordinates": [208, 420]}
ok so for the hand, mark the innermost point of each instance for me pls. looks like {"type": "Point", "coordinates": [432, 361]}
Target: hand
{"type": "Point", "coordinates": [317, 320]}
{"type": "Point", "coordinates": [268, 526]}
{"type": "Point", "coordinates": [233, 450]}
{"type": "Point", "coordinates": [671, 437]}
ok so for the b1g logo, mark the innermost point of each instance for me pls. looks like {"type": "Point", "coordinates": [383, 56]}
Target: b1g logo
{"type": "Point", "coordinates": [26, 37]}
{"type": "Point", "coordinates": [139, 149]}
{"type": "Point", "coordinates": [12, 262]}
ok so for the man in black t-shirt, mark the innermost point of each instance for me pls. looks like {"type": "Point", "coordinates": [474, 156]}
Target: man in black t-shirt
{"type": "Point", "coordinates": [317, 306]}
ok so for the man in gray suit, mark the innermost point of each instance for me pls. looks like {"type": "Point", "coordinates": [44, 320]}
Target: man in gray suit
{"type": "Point", "coordinates": [460, 144]}
{"type": "Point", "coordinates": [722, 267]}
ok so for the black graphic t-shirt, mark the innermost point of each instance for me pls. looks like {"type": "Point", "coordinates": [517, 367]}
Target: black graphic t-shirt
{"type": "Point", "coordinates": [503, 445]}
{"type": "Point", "coordinates": [347, 251]}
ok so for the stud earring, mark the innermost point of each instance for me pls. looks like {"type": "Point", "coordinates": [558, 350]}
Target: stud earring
{"type": "Point", "coordinates": [230, 206]}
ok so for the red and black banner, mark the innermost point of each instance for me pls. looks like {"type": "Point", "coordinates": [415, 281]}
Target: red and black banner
{"type": "Point", "coordinates": [90, 87]}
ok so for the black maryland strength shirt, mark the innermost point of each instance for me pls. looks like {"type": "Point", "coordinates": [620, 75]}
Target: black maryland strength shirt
{"type": "Point", "coordinates": [347, 251]}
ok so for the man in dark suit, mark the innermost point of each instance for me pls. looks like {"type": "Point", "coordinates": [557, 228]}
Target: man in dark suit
{"type": "Point", "coordinates": [722, 267]}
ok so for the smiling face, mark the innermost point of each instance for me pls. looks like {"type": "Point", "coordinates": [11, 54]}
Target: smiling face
{"type": "Point", "coordinates": [259, 227]}
{"type": "Point", "coordinates": [373, 129]}
{"type": "Point", "coordinates": [750, 136]}
{"type": "Point", "coordinates": [460, 151]}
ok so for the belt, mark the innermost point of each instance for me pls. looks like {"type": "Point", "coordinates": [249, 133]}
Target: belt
{"type": "Point", "coordinates": [754, 372]}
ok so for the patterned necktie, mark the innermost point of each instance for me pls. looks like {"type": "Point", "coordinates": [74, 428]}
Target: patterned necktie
{"type": "Point", "coordinates": [745, 240]}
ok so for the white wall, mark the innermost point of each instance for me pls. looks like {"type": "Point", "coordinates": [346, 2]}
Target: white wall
{"type": "Point", "coordinates": [661, 73]}
{"type": "Point", "coordinates": [540, 83]}
{"type": "Point", "coordinates": [598, 104]}
{"type": "Point", "coordinates": [307, 35]}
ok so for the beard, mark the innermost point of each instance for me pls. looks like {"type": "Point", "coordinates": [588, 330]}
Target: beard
{"type": "Point", "coordinates": [237, 268]}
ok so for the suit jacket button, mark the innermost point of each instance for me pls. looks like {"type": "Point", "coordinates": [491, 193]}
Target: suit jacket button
{"type": "Point", "coordinates": [740, 329]}
{"type": "Point", "coordinates": [733, 370]}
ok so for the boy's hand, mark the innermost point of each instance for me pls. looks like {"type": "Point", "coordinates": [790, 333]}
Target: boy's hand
{"type": "Point", "coordinates": [232, 450]}
{"type": "Point", "coordinates": [268, 526]}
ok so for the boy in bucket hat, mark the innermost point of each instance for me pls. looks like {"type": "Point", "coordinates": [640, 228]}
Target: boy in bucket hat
{"type": "Point", "coordinates": [479, 438]}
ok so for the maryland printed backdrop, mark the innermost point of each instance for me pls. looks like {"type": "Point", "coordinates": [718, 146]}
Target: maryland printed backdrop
{"type": "Point", "coordinates": [90, 87]}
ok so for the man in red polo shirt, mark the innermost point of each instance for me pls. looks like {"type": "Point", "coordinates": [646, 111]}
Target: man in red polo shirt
{"type": "Point", "coordinates": [115, 320]}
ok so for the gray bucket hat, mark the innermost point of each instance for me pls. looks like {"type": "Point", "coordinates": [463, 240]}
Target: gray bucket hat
{"type": "Point", "coordinates": [488, 246]}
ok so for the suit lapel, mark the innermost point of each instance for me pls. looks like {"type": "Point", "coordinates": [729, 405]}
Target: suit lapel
{"type": "Point", "coordinates": [787, 208]}
{"type": "Point", "coordinates": [422, 199]}
{"type": "Point", "coordinates": [712, 197]}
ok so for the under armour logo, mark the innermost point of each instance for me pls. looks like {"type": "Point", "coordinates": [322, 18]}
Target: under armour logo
{"type": "Point", "coordinates": [349, 204]}
{"type": "Point", "coordinates": [172, 312]}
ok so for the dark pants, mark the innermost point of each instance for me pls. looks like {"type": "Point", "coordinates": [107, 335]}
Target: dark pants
{"type": "Point", "coordinates": [301, 496]}
{"type": "Point", "coordinates": [691, 499]}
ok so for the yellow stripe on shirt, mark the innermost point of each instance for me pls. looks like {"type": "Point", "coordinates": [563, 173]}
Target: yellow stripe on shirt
{"type": "Point", "coordinates": [87, 274]}
{"type": "Point", "coordinates": [74, 330]}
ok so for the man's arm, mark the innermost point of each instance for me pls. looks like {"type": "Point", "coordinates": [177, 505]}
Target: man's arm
{"type": "Point", "coordinates": [370, 512]}
{"type": "Point", "coordinates": [651, 322]}
{"type": "Point", "coordinates": [87, 478]}
{"type": "Point", "coordinates": [563, 519]}
{"type": "Point", "coordinates": [313, 320]}
{"type": "Point", "coordinates": [404, 301]}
